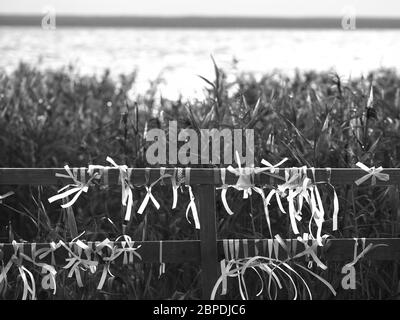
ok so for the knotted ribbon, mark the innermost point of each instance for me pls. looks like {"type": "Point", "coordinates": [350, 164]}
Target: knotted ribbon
{"type": "Point", "coordinates": [149, 195]}
{"type": "Point", "coordinates": [245, 177]}
{"type": "Point", "coordinates": [292, 177]}
{"type": "Point", "coordinates": [76, 262]}
{"type": "Point", "coordinates": [17, 260]}
{"type": "Point", "coordinates": [123, 180]}
{"type": "Point", "coordinates": [245, 183]}
{"type": "Point", "coordinates": [75, 188]}
{"type": "Point", "coordinates": [373, 173]}
{"type": "Point", "coordinates": [126, 187]}
{"type": "Point", "coordinates": [298, 188]}
{"type": "Point", "coordinates": [310, 250]}
{"type": "Point", "coordinates": [102, 171]}
{"type": "Point", "coordinates": [317, 210]}
{"type": "Point", "coordinates": [273, 168]}
{"type": "Point", "coordinates": [296, 185]}
{"type": "Point", "coordinates": [127, 247]}
{"type": "Point", "coordinates": [113, 254]}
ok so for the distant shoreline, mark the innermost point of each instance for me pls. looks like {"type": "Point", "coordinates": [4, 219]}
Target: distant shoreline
{"type": "Point", "coordinates": [199, 22]}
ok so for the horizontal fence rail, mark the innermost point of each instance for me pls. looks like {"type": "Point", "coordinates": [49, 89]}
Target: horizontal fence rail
{"type": "Point", "coordinates": [149, 251]}
{"type": "Point", "coordinates": [199, 176]}
{"type": "Point", "coordinates": [181, 251]}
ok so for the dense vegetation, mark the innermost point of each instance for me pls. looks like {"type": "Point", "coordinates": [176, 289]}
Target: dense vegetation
{"type": "Point", "coordinates": [52, 118]}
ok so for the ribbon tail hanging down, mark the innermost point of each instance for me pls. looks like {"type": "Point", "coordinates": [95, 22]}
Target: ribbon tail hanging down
{"type": "Point", "coordinates": [192, 207]}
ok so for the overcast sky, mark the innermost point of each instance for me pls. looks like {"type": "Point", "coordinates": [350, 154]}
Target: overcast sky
{"type": "Point", "coordinates": [291, 8]}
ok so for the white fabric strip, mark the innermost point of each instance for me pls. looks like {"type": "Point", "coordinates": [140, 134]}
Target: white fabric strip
{"type": "Point", "coordinates": [192, 204]}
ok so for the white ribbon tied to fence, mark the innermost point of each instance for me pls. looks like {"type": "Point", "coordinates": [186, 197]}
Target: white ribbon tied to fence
{"type": "Point", "coordinates": [76, 262]}
{"type": "Point", "coordinates": [192, 204]}
{"type": "Point", "coordinates": [17, 259]}
{"type": "Point", "coordinates": [245, 183]}
{"type": "Point", "coordinates": [149, 196]}
{"type": "Point", "coordinates": [126, 190]}
{"type": "Point", "coordinates": [373, 173]}
{"type": "Point", "coordinates": [77, 187]}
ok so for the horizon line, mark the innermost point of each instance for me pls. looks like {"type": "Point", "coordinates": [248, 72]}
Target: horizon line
{"type": "Point", "coordinates": [219, 16]}
{"type": "Point", "coordinates": [199, 21]}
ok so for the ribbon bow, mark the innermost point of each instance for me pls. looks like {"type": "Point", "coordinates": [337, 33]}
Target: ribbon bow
{"type": "Point", "coordinates": [296, 186]}
{"type": "Point", "coordinates": [114, 254]}
{"type": "Point", "coordinates": [244, 182]}
{"type": "Point", "coordinates": [76, 262]}
{"type": "Point", "coordinates": [43, 252]}
{"type": "Point", "coordinates": [373, 173]}
{"type": "Point", "coordinates": [297, 189]}
{"type": "Point", "coordinates": [149, 195]}
{"type": "Point", "coordinates": [310, 250]}
{"type": "Point", "coordinates": [17, 259]}
{"type": "Point", "coordinates": [128, 247]}
{"type": "Point", "coordinates": [124, 180]}
{"type": "Point", "coordinates": [77, 187]}
{"type": "Point", "coordinates": [273, 168]}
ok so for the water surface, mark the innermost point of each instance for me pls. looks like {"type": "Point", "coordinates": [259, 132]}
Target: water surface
{"type": "Point", "coordinates": [181, 54]}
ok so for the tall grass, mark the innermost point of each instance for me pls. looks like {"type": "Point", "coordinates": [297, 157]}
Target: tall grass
{"type": "Point", "coordinates": [50, 118]}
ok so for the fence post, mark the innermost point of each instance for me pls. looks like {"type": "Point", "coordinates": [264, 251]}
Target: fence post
{"type": "Point", "coordinates": [394, 195]}
{"type": "Point", "coordinates": [394, 203]}
{"type": "Point", "coordinates": [208, 239]}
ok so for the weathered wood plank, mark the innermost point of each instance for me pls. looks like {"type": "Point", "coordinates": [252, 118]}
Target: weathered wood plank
{"type": "Point", "coordinates": [180, 251]}
{"type": "Point", "coordinates": [202, 176]}
{"type": "Point", "coordinates": [173, 251]}
{"type": "Point", "coordinates": [334, 249]}
{"type": "Point", "coordinates": [208, 238]}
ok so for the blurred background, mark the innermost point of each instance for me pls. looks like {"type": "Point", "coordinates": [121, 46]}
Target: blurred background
{"type": "Point", "coordinates": [174, 39]}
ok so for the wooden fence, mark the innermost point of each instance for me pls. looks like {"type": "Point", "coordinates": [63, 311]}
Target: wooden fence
{"type": "Point", "coordinates": [208, 251]}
